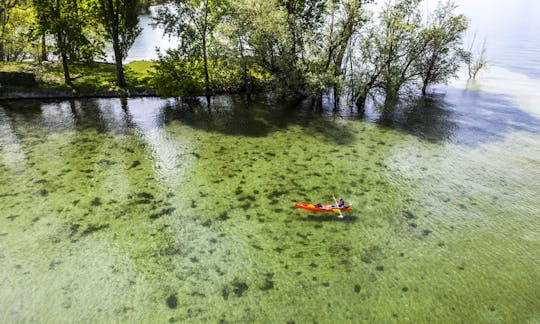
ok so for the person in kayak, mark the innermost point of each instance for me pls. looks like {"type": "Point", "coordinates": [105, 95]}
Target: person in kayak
{"type": "Point", "coordinates": [340, 203]}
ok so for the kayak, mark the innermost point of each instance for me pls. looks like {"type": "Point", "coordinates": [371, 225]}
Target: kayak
{"type": "Point", "coordinates": [325, 208]}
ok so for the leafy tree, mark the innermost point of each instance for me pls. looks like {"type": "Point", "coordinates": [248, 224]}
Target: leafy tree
{"type": "Point", "coordinates": [398, 42]}
{"type": "Point", "coordinates": [5, 7]}
{"type": "Point", "coordinates": [177, 76]}
{"type": "Point", "coordinates": [120, 19]}
{"type": "Point", "coordinates": [304, 22]}
{"type": "Point", "coordinates": [368, 64]}
{"type": "Point", "coordinates": [344, 19]}
{"type": "Point", "coordinates": [194, 23]}
{"type": "Point", "coordinates": [259, 34]}
{"type": "Point", "coordinates": [70, 22]}
{"type": "Point", "coordinates": [442, 39]}
{"type": "Point", "coordinates": [16, 18]}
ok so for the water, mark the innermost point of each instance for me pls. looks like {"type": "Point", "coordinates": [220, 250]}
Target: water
{"type": "Point", "coordinates": [145, 209]}
{"type": "Point", "coordinates": [153, 210]}
{"type": "Point", "coordinates": [150, 41]}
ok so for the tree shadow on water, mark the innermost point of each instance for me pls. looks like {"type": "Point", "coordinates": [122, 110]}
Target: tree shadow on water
{"type": "Point", "coordinates": [236, 115]}
{"type": "Point", "coordinates": [461, 116]}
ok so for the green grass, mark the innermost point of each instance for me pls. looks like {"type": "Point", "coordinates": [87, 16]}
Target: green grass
{"type": "Point", "coordinates": [97, 78]}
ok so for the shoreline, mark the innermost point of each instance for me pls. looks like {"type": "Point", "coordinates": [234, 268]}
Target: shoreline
{"type": "Point", "coordinates": [21, 95]}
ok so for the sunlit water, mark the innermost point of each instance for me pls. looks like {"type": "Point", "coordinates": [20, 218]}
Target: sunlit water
{"type": "Point", "coordinates": [148, 209]}
{"type": "Point", "coordinates": [152, 210]}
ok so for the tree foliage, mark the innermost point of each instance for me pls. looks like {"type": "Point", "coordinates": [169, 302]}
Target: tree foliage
{"type": "Point", "coordinates": [442, 39]}
{"type": "Point", "coordinates": [177, 76]}
{"type": "Point", "coordinates": [193, 22]}
{"type": "Point", "coordinates": [402, 50]}
{"type": "Point", "coordinates": [297, 47]}
{"type": "Point", "coordinates": [16, 19]}
{"type": "Point", "coordinates": [71, 23]}
{"type": "Point", "coordinates": [120, 19]}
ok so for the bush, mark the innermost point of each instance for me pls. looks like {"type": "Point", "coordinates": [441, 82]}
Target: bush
{"type": "Point", "coordinates": [176, 77]}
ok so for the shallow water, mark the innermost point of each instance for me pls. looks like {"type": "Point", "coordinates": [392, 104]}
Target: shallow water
{"type": "Point", "coordinates": [152, 210]}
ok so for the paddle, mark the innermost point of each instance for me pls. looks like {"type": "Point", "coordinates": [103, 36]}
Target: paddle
{"type": "Point", "coordinates": [337, 205]}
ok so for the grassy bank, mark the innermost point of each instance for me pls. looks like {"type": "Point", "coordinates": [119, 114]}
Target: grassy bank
{"type": "Point", "coordinates": [98, 79]}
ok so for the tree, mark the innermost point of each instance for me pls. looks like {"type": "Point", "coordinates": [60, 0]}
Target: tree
{"type": "Point", "coordinates": [442, 39]}
{"type": "Point", "coordinates": [475, 61]}
{"type": "Point", "coordinates": [120, 19]}
{"type": "Point", "coordinates": [369, 64]}
{"type": "Point", "coordinates": [399, 44]}
{"type": "Point", "coordinates": [344, 19]}
{"type": "Point", "coordinates": [177, 76]}
{"type": "Point", "coordinates": [261, 31]}
{"type": "Point", "coordinates": [6, 7]}
{"type": "Point", "coordinates": [69, 21]}
{"type": "Point", "coordinates": [194, 23]}
{"type": "Point", "coordinates": [304, 22]}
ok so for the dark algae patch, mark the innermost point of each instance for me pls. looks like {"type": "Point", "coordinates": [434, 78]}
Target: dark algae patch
{"type": "Point", "coordinates": [96, 202]}
{"type": "Point", "coordinates": [163, 212]}
{"type": "Point", "coordinates": [172, 301]}
{"type": "Point", "coordinates": [93, 228]}
{"type": "Point", "coordinates": [239, 287]}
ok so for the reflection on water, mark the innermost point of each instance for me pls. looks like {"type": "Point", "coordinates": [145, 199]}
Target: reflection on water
{"type": "Point", "coordinates": [462, 116]}
{"type": "Point", "coordinates": [148, 209]}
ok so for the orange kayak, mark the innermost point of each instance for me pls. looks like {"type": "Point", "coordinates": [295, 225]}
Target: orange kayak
{"type": "Point", "coordinates": [325, 208]}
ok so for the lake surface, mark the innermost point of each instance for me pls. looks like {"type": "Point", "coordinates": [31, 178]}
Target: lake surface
{"type": "Point", "coordinates": [154, 210]}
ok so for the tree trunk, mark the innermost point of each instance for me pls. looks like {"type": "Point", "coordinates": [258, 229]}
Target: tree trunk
{"type": "Point", "coordinates": [61, 48]}
{"type": "Point", "coordinates": [2, 32]}
{"type": "Point", "coordinates": [424, 88]}
{"type": "Point", "coordinates": [67, 79]}
{"type": "Point", "coordinates": [336, 96]}
{"type": "Point", "coordinates": [247, 89]}
{"type": "Point", "coordinates": [43, 56]}
{"type": "Point", "coordinates": [206, 75]}
{"type": "Point", "coordinates": [61, 44]}
{"type": "Point", "coordinates": [205, 59]}
{"type": "Point", "coordinates": [120, 80]}
{"type": "Point", "coordinates": [361, 104]}
{"type": "Point", "coordinates": [115, 25]}
{"type": "Point", "coordinates": [392, 95]}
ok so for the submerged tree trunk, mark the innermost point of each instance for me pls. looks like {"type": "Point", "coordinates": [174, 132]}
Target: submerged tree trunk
{"type": "Point", "coordinates": [337, 93]}
{"type": "Point", "coordinates": [391, 98]}
{"type": "Point", "coordinates": [361, 104]}
{"type": "Point", "coordinates": [424, 88]}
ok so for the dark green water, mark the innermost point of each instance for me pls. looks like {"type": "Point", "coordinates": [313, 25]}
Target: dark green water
{"type": "Point", "coordinates": [146, 210]}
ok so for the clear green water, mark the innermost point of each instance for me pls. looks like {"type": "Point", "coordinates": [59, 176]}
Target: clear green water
{"type": "Point", "coordinates": [145, 210]}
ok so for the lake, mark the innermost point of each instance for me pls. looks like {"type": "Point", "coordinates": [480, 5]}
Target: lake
{"type": "Point", "coordinates": [155, 210]}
